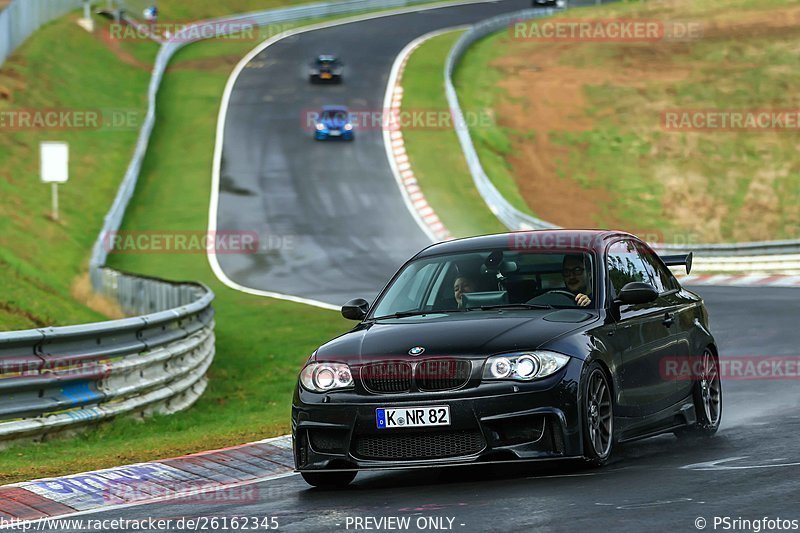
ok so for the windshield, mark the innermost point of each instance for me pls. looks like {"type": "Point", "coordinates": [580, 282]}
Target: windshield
{"type": "Point", "coordinates": [335, 114]}
{"type": "Point", "coordinates": [490, 279]}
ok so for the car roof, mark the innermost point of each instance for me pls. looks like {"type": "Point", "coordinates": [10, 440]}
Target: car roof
{"type": "Point", "coordinates": [557, 241]}
{"type": "Point", "coordinates": [326, 57]}
{"type": "Point", "coordinates": [334, 108]}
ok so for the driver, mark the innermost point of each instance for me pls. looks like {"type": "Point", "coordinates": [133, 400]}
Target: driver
{"type": "Point", "coordinates": [575, 279]}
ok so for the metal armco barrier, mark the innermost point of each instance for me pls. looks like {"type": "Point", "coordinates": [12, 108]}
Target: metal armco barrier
{"type": "Point", "coordinates": [513, 218]}
{"type": "Point", "coordinates": [769, 256]}
{"type": "Point", "coordinates": [23, 17]}
{"type": "Point", "coordinates": [65, 377]}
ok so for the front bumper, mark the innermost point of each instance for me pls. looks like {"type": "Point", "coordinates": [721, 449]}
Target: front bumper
{"type": "Point", "coordinates": [329, 77]}
{"type": "Point", "coordinates": [344, 135]}
{"type": "Point", "coordinates": [493, 421]}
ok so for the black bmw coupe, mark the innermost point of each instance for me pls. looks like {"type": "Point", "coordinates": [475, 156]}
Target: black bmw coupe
{"type": "Point", "coordinates": [521, 346]}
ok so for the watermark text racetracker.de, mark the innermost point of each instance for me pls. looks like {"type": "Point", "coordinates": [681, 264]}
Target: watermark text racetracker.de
{"type": "Point", "coordinates": [66, 119]}
{"type": "Point", "coordinates": [731, 120]}
{"type": "Point", "coordinates": [189, 32]}
{"type": "Point", "coordinates": [576, 241]}
{"type": "Point", "coordinates": [756, 367]}
{"type": "Point", "coordinates": [617, 30]}
{"type": "Point", "coordinates": [390, 119]}
{"type": "Point", "coordinates": [193, 242]}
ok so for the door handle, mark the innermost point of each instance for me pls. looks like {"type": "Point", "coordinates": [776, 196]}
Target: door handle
{"type": "Point", "coordinates": [669, 319]}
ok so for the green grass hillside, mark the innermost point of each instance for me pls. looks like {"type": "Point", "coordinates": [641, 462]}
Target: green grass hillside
{"type": "Point", "coordinates": [579, 125]}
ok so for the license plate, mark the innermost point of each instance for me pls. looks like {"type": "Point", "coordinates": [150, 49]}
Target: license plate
{"type": "Point", "coordinates": [413, 417]}
{"type": "Point", "coordinates": [325, 76]}
{"type": "Point", "coordinates": [334, 133]}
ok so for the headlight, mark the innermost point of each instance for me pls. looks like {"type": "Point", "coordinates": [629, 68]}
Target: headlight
{"type": "Point", "coordinates": [320, 127]}
{"type": "Point", "coordinates": [348, 127]}
{"type": "Point", "coordinates": [324, 377]}
{"type": "Point", "coordinates": [524, 366]}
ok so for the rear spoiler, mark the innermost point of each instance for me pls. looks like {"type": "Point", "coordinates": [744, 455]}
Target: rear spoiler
{"type": "Point", "coordinates": [679, 260]}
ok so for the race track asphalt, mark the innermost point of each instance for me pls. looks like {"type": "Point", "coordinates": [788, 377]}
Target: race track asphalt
{"type": "Point", "coordinates": [331, 221]}
{"type": "Point", "coordinates": [659, 484]}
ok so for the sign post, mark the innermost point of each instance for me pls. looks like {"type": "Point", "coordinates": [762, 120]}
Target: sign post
{"type": "Point", "coordinates": [54, 167]}
{"type": "Point", "coordinates": [86, 22]}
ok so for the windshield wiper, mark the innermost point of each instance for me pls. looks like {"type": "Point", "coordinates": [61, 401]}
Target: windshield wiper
{"type": "Point", "coordinates": [513, 306]}
{"type": "Point", "coordinates": [403, 314]}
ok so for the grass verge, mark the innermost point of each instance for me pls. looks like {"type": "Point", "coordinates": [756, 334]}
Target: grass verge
{"type": "Point", "coordinates": [43, 260]}
{"type": "Point", "coordinates": [435, 152]}
{"type": "Point", "coordinates": [494, 141]}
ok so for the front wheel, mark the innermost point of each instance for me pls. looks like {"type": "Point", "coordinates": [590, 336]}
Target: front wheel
{"type": "Point", "coordinates": [598, 417]}
{"type": "Point", "coordinates": [328, 480]}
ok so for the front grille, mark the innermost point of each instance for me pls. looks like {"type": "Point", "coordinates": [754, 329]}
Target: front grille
{"type": "Point", "coordinates": [442, 374]}
{"type": "Point", "coordinates": [390, 376]}
{"type": "Point", "coordinates": [419, 445]}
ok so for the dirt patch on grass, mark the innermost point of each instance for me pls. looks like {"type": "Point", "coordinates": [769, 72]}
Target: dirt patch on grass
{"type": "Point", "coordinates": [103, 35]}
{"type": "Point", "coordinates": [23, 314]}
{"type": "Point", "coordinates": [82, 292]}
{"type": "Point", "coordinates": [548, 95]}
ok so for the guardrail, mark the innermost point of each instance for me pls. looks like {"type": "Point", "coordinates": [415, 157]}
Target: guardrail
{"type": "Point", "coordinates": [23, 17]}
{"type": "Point", "coordinates": [513, 218]}
{"type": "Point", "coordinates": [52, 379]}
{"type": "Point", "coordinates": [751, 256]}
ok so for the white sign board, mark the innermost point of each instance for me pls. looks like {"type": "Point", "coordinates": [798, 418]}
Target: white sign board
{"type": "Point", "coordinates": [54, 157]}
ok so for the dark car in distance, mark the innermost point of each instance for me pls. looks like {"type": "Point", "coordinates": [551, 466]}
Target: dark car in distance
{"type": "Point", "coordinates": [524, 346]}
{"type": "Point", "coordinates": [326, 68]}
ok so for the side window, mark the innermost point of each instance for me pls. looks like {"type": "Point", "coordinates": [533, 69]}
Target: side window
{"type": "Point", "coordinates": [625, 265]}
{"type": "Point", "coordinates": [420, 283]}
{"type": "Point", "coordinates": [662, 278]}
{"type": "Point", "coordinates": [407, 291]}
{"type": "Point", "coordinates": [441, 291]}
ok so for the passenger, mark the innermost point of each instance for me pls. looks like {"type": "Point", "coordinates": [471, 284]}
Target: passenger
{"type": "Point", "coordinates": [461, 286]}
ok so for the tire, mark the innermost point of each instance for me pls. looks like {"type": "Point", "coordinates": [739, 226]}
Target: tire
{"type": "Point", "coordinates": [328, 480]}
{"type": "Point", "coordinates": [597, 416]}
{"type": "Point", "coordinates": [707, 397]}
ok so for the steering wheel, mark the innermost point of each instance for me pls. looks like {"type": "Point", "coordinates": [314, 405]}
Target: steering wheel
{"type": "Point", "coordinates": [559, 292]}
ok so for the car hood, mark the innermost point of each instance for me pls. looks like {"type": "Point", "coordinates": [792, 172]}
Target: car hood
{"type": "Point", "coordinates": [470, 334]}
{"type": "Point", "coordinates": [334, 123]}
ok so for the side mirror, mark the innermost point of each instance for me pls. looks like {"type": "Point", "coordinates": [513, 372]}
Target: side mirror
{"type": "Point", "coordinates": [355, 309]}
{"type": "Point", "coordinates": [637, 292]}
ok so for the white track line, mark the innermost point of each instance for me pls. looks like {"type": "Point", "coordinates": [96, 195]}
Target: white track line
{"type": "Point", "coordinates": [162, 499]}
{"type": "Point", "coordinates": [415, 201]}
{"type": "Point", "coordinates": [220, 136]}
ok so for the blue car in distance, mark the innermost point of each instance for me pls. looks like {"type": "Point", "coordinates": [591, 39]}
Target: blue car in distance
{"type": "Point", "coordinates": [333, 122]}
